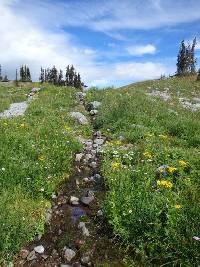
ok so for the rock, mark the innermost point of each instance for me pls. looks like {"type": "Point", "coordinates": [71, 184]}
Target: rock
{"type": "Point", "coordinates": [79, 156]}
{"type": "Point", "coordinates": [162, 170]}
{"type": "Point", "coordinates": [31, 256]}
{"type": "Point", "coordinates": [69, 254]}
{"type": "Point", "coordinates": [87, 200]}
{"type": "Point", "coordinates": [74, 200]}
{"type": "Point", "coordinates": [65, 265]}
{"type": "Point", "coordinates": [49, 215]}
{"type": "Point", "coordinates": [35, 90]}
{"type": "Point", "coordinates": [99, 213]}
{"type": "Point", "coordinates": [79, 117]}
{"type": "Point", "coordinates": [24, 253]}
{"type": "Point", "coordinates": [97, 177]}
{"type": "Point", "coordinates": [93, 112]}
{"type": "Point", "coordinates": [88, 156]}
{"type": "Point", "coordinates": [85, 259]}
{"type": "Point", "coordinates": [53, 196]}
{"type": "Point", "coordinates": [39, 249]}
{"type": "Point", "coordinates": [85, 231]}
{"type": "Point", "coordinates": [93, 164]}
{"type": "Point", "coordinates": [77, 264]}
{"type": "Point", "coordinates": [80, 96]}
{"type": "Point", "coordinates": [86, 180]}
{"type": "Point", "coordinates": [81, 225]}
{"type": "Point", "coordinates": [93, 105]}
{"type": "Point", "coordinates": [45, 256]}
{"type": "Point", "coordinates": [99, 141]}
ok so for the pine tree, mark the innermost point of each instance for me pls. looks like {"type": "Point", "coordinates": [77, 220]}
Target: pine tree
{"type": "Point", "coordinates": [28, 75]}
{"type": "Point", "coordinates": [79, 83]}
{"type": "Point", "coordinates": [71, 76]}
{"type": "Point", "coordinates": [5, 79]}
{"type": "Point", "coordinates": [42, 75]}
{"type": "Point", "coordinates": [60, 78]}
{"type": "Point", "coordinates": [67, 76]}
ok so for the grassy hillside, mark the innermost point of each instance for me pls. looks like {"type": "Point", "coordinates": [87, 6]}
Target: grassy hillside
{"type": "Point", "coordinates": [37, 153]}
{"type": "Point", "coordinates": [154, 211]}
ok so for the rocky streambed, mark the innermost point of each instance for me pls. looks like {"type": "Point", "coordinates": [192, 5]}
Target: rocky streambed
{"type": "Point", "coordinates": [76, 232]}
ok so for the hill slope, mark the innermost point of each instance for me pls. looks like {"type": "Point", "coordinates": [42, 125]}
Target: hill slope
{"type": "Point", "coordinates": [153, 151]}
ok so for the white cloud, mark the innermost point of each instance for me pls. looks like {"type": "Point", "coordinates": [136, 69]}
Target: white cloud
{"type": "Point", "coordinates": [27, 42]}
{"type": "Point", "coordinates": [139, 50]}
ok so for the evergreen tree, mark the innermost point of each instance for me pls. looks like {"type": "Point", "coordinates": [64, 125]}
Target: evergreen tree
{"type": "Point", "coordinates": [60, 78]}
{"type": "Point", "coordinates": [42, 75]}
{"type": "Point", "coordinates": [67, 76]}
{"type": "Point", "coordinates": [71, 76]}
{"type": "Point", "coordinates": [79, 83]}
{"type": "Point", "coordinates": [28, 75]}
{"type": "Point", "coordinates": [5, 79]}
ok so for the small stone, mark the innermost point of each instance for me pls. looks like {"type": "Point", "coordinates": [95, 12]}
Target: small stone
{"type": "Point", "coordinates": [53, 196]}
{"type": "Point", "coordinates": [73, 200]}
{"type": "Point", "coordinates": [69, 254]}
{"type": "Point", "coordinates": [99, 213]}
{"type": "Point", "coordinates": [24, 253]}
{"type": "Point", "coordinates": [99, 141]}
{"type": "Point", "coordinates": [31, 256]}
{"type": "Point", "coordinates": [65, 265]}
{"type": "Point", "coordinates": [79, 156]}
{"type": "Point", "coordinates": [79, 117]}
{"type": "Point", "coordinates": [97, 177]}
{"type": "Point", "coordinates": [81, 225]}
{"type": "Point", "coordinates": [45, 256]}
{"type": "Point", "coordinates": [85, 231]}
{"type": "Point", "coordinates": [93, 164]}
{"type": "Point", "coordinates": [87, 200]}
{"type": "Point", "coordinates": [77, 264]}
{"type": "Point", "coordinates": [86, 180]}
{"type": "Point", "coordinates": [85, 259]}
{"type": "Point", "coordinates": [77, 182]}
{"type": "Point", "coordinates": [49, 215]}
{"type": "Point", "coordinates": [39, 249]}
{"type": "Point", "coordinates": [93, 112]}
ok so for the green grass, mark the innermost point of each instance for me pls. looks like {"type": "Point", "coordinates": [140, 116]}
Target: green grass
{"type": "Point", "coordinates": [156, 221]}
{"type": "Point", "coordinates": [11, 94]}
{"type": "Point", "coordinates": [37, 153]}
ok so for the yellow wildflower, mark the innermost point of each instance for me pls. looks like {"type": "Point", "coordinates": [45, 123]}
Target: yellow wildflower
{"type": "Point", "coordinates": [41, 157]}
{"type": "Point", "coordinates": [23, 125]}
{"type": "Point", "coordinates": [5, 123]}
{"type": "Point", "coordinates": [115, 165]}
{"type": "Point", "coordinates": [118, 143]}
{"type": "Point", "coordinates": [171, 170]}
{"type": "Point", "coordinates": [164, 184]}
{"type": "Point", "coordinates": [68, 129]}
{"type": "Point", "coordinates": [183, 163]}
{"type": "Point", "coordinates": [178, 206]}
{"type": "Point", "coordinates": [148, 154]}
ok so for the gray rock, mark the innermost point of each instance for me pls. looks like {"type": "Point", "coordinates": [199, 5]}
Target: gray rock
{"type": "Point", "coordinates": [93, 112]}
{"type": "Point", "coordinates": [99, 141]}
{"type": "Point", "coordinates": [81, 225]}
{"type": "Point", "coordinates": [49, 215]}
{"type": "Point", "coordinates": [99, 213]}
{"type": "Point", "coordinates": [79, 117]}
{"type": "Point", "coordinates": [15, 109]}
{"type": "Point", "coordinates": [35, 89]}
{"type": "Point", "coordinates": [85, 259]}
{"type": "Point", "coordinates": [93, 164]}
{"type": "Point", "coordinates": [31, 256]}
{"type": "Point", "coordinates": [69, 254]}
{"type": "Point", "coordinates": [87, 200]}
{"type": "Point", "coordinates": [84, 229]}
{"type": "Point", "coordinates": [162, 170]}
{"type": "Point", "coordinates": [93, 105]}
{"type": "Point", "coordinates": [39, 249]}
{"type": "Point", "coordinates": [80, 96]}
{"type": "Point", "coordinates": [65, 265]}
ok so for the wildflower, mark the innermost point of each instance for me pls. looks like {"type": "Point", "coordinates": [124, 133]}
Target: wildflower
{"type": "Point", "coordinates": [115, 165]}
{"type": "Point", "coordinates": [196, 238]}
{"type": "Point", "coordinates": [3, 169]}
{"type": "Point", "coordinates": [23, 125]}
{"type": "Point", "coordinates": [163, 136]}
{"type": "Point", "coordinates": [130, 211]}
{"type": "Point", "coordinates": [178, 206]}
{"type": "Point", "coordinates": [183, 163]}
{"type": "Point", "coordinates": [67, 128]}
{"type": "Point", "coordinates": [118, 143]}
{"type": "Point", "coordinates": [148, 154]}
{"type": "Point", "coordinates": [41, 157]}
{"type": "Point", "coordinates": [171, 170]}
{"type": "Point", "coordinates": [5, 123]}
{"type": "Point", "coordinates": [164, 184]}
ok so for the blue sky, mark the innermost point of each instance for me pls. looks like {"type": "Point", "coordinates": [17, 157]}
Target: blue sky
{"type": "Point", "coordinates": [110, 42]}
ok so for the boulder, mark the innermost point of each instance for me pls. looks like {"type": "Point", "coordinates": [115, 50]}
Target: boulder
{"type": "Point", "coordinates": [79, 117]}
{"type": "Point", "coordinates": [39, 249]}
{"type": "Point", "coordinates": [87, 200]}
{"type": "Point", "coordinates": [93, 105]}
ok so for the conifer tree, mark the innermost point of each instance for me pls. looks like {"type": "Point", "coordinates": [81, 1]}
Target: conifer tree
{"type": "Point", "coordinates": [71, 76]}
{"type": "Point", "coordinates": [42, 75]}
{"type": "Point", "coordinates": [60, 78]}
{"type": "Point", "coordinates": [67, 76]}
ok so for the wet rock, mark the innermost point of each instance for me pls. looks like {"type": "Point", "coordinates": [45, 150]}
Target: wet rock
{"type": "Point", "coordinates": [79, 117]}
{"type": "Point", "coordinates": [69, 254]}
{"type": "Point", "coordinates": [39, 249]}
{"type": "Point", "coordinates": [99, 141]}
{"type": "Point", "coordinates": [74, 200]}
{"type": "Point", "coordinates": [24, 253]}
{"type": "Point", "coordinates": [79, 157]}
{"type": "Point", "coordinates": [31, 256]}
{"type": "Point", "coordinates": [87, 200]}
{"type": "Point", "coordinates": [93, 112]}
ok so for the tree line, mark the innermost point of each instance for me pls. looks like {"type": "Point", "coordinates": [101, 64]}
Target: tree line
{"type": "Point", "coordinates": [70, 78]}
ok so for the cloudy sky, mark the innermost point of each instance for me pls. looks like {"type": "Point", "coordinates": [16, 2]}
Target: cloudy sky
{"type": "Point", "coordinates": [111, 42]}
